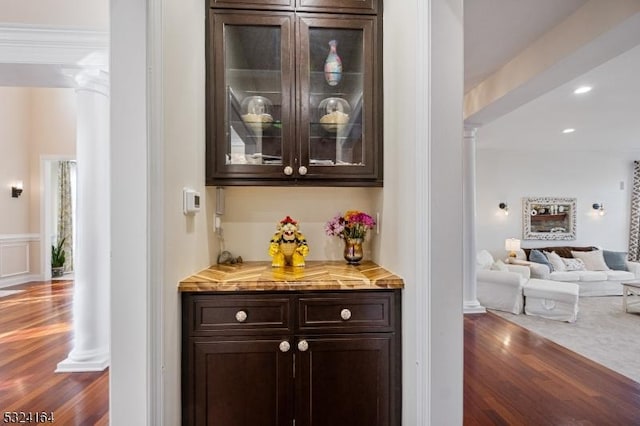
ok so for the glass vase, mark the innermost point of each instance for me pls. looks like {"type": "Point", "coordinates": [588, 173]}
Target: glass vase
{"type": "Point", "coordinates": [353, 250]}
{"type": "Point", "coordinates": [333, 65]}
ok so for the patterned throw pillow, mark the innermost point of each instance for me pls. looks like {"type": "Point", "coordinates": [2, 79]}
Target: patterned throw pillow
{"type": "Point", "coordinates": [574, 264]}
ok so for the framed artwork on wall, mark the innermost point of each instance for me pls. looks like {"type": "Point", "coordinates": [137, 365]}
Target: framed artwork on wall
{"type": "Point", "coordinates": [548, 218]}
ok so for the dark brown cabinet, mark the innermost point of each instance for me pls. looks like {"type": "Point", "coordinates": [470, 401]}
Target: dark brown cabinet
{"type": "Point", "coordinates": [319, 358]}
{"type": "Point", "coordinates": [333, 6]}
{"type": "Point", "coordinates": [294, 93]}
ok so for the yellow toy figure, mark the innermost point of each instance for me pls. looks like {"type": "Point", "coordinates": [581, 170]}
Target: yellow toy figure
{"type": "Point", "coordinates": [288, 246]}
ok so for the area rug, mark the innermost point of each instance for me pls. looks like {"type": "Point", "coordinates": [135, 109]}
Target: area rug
{"type": "Point", "coordinates": [603, 333]}
{"type": "Point", "coordinates": [5, 293]}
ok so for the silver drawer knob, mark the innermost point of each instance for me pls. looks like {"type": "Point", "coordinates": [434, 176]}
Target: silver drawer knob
{"type": "Point", "coordinates": [241, 316]}
{"type": "Point", "coordinates": [288, 170]}
{"type": "Point", "coordinates": [284, 346]}
{"type": "Point", "coordinates": [302, 170]}
{"type": "Point", "coordinates": [345, 314]}
{"type": "Point", "coordinates": [303, 345]}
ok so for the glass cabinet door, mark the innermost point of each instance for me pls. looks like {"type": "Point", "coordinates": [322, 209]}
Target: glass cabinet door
{"type": "Point", "coordinates": [337, 109]}
{"type": "Point", "coordinates": [251, 80]}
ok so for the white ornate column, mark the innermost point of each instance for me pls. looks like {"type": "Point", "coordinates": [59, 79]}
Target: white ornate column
{"type": "Point", "coordinates": [91, 302]}
{"type": "Point", "coordinates": [471, 304]}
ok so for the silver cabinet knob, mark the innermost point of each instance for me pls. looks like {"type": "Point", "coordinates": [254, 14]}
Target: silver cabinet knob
{"type": "Point", "coordinates": [302, 170]}
{"type": "Point", "coordinates": [345, 314]}
{"type": "Point", "coordinates": [288, 170]}
{"type": "Point", "coordinates": [303, 345]}
{"type": "Point", "coordinates": [241, 316]}
{"type": "Point", "coordinates": [284, 346]}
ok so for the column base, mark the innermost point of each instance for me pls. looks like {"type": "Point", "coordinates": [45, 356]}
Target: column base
{"type": "Point", "coordinates": [96, 363]}
{"type": "Point", "coordinates": [473, 307]}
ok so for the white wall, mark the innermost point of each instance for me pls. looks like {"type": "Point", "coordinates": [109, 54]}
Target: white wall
{"type": "Point", "coordinates": [590, 177]}
{"type": "Point", "coordinates": [36, 122]}
{"type": "Point", "coordinates": [14, 161]}
{"type": "Point", "coordinates": [85, 14]}
{"type": "Point", "coordinates": [251, 216]}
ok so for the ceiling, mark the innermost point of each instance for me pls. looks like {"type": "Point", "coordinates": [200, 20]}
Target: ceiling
{"type": "Point", "coordinates": [605, 119]}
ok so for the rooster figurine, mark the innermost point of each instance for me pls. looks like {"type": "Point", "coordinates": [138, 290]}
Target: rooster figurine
{"type": "Point", "coordinates": [288, 246]}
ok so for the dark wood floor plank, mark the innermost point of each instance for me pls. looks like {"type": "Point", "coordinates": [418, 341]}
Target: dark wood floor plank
{"type": "Point", "coordinates": [515, 377]}
{"type": "Point", "coordinates": [35, 335]}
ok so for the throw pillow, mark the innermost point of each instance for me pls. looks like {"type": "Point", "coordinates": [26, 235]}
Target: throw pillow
{"type": "Point", "coordinates": [593, 260]}
{"type": "Point", "coordinates": [499, 265]}
{"type": "Point", "coordinates": [484, 260]}
{"type": "Point", "coordinates": [616, 260]}
{"type": "Point", "coordinates": [573, 264]}
{"type": "Point", "coordinates": [555, 260]}
{"type": "Point", "coordinates": [538, 257]}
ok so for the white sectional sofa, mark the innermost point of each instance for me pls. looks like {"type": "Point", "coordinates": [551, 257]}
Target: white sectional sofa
{"type": "Point", "coordinates": [607, 282]}
{"type": "Point", "coordinates": [509, 288]}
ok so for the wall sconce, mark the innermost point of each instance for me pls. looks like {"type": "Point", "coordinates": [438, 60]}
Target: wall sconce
{"type": "Point", "coordinates": [505, 208]}
{"type": "Point", "coordinates": [512, 245]}
{"type": "Point", "coordinates": [599, 208]}
{"type": "Point", "coordinates": [16, 189]}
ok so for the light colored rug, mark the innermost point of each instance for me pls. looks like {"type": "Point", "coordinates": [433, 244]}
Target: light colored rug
{"type": "Point", "coordinates": [4, 293]}
{"type": "Point", "coordinates": [603, 333]}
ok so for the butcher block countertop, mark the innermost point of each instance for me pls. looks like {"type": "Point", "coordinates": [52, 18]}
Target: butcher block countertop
{"type": "Point", "coordinates": [316, 275]}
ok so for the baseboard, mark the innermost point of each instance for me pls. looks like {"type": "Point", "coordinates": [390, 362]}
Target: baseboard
{"type": "Point", "coordinates": [19, 279]}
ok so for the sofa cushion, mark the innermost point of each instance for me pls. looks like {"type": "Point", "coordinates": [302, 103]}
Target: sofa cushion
{"type": "Point", "coordinates": [593, 260]}
{"type": "Point", "coordinates": [590, 276]}
{"type": "Point", "coordinates": [484, 260]}
{"type": "Point", "coordinates": [538, 257]}
{"type": "Point", "coordinates": [620, 275]}
{"type": "Point", "coordinates": [565, 276]}
{"type": "Point", "coordinates": [615, 260]}
{"type": "Point", "coordinates": [555, 260]}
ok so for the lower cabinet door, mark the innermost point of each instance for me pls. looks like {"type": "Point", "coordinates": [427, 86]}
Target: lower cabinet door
{"type": "Point", "coordinates": [345, 381]}
{"type": "Point", "coordinates": [242, 383]}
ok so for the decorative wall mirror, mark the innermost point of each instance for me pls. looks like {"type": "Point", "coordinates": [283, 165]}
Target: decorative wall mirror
{"type": "Point", "coordinates": [549, 218]}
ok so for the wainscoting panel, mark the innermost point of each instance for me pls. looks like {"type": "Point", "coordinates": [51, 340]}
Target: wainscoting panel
{"type": "Point", "coordinates": [15, 255]}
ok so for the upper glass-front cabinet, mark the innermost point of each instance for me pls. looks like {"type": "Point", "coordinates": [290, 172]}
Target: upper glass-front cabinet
{"type": "Point", "coordinates": [334, 6]}
{"type": "Point", "coordinates": [292, 108]}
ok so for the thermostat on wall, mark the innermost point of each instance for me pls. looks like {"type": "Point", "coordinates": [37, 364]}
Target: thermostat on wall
{"type": "Point", "coordinates": [191, 201]}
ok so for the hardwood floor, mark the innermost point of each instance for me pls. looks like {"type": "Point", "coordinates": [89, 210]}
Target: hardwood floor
{"type": "Point", "coordinates": [515, 377]}
{"type": "Point", "coordinates": [511, 376]}
{"type": "Point", "coordinates": [35, 334]}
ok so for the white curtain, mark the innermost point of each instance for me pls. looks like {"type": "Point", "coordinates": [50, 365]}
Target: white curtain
{"type": "Point", "coordinates": [634, 228]}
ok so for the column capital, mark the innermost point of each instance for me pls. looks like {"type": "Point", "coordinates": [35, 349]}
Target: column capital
{"type": "Point", "coordinates": [92, 80]}
{"type": "Point", "coordinates": [470, 130]}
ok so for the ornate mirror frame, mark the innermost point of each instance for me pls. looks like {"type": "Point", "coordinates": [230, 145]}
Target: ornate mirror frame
{"type": "Point", "coordinates": [549, 218]}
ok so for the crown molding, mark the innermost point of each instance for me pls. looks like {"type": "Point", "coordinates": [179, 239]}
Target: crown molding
{"type": "Point", "coordinates": [26, 44]}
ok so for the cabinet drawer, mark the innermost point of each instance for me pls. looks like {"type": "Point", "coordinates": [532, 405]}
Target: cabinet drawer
{"type": "Point", "coordinates": [347, 312]}
{"type": "Point", "coordinates": [240, 314]}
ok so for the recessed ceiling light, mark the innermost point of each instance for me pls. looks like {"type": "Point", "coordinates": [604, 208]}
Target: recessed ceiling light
{"type": "Point", "coordinates": [569, 130]}
{"type": "Point", "coordinates": [582, 89]}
